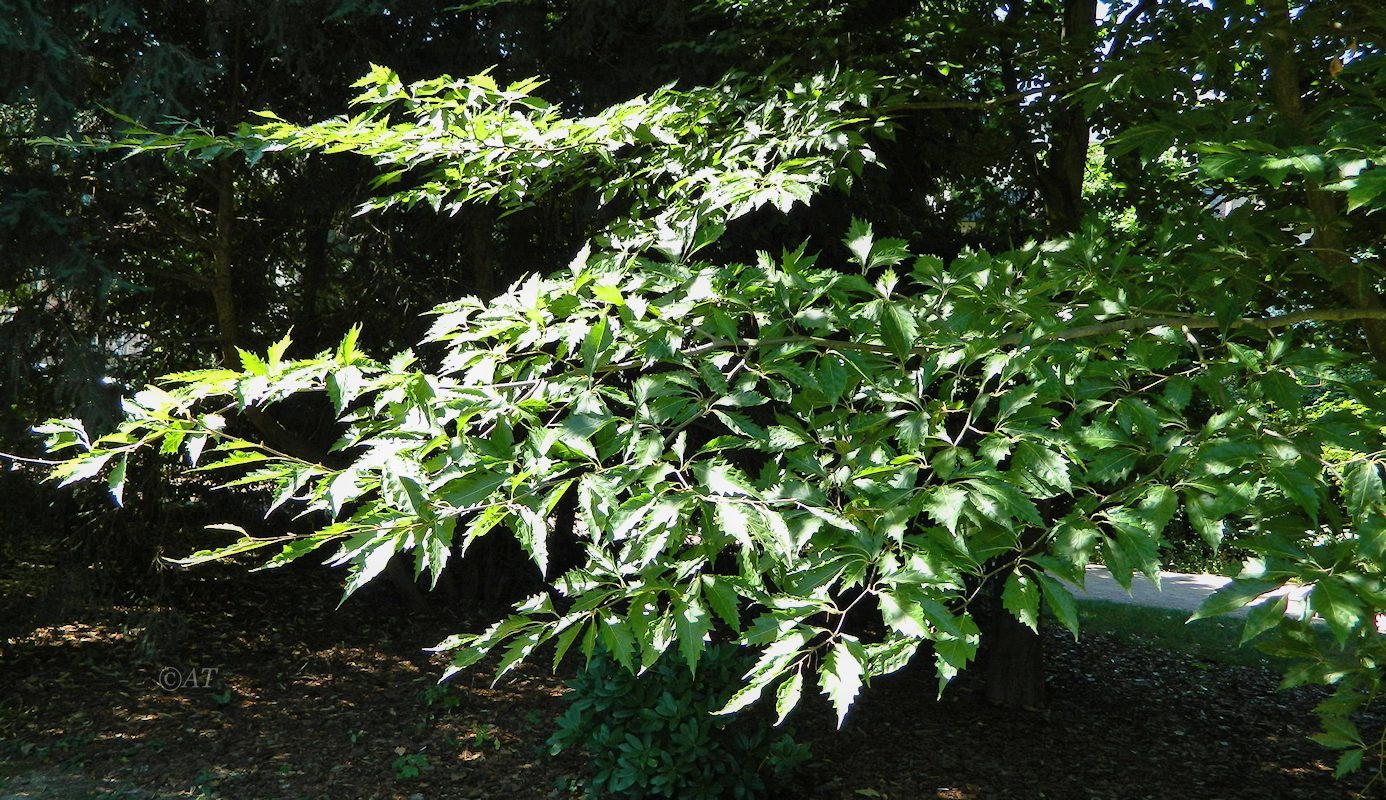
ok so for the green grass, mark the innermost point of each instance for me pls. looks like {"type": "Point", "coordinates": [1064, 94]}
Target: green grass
{"type": "Point", "coordinates": [1212, 640]}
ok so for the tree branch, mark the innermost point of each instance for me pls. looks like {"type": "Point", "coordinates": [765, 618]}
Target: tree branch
{"type": "Point", "coordinates": [1191, 321]}
{"type": "Point", "coordinates": [1006, 99]}
{"type": "Point", "coordinates": [1188, 321]}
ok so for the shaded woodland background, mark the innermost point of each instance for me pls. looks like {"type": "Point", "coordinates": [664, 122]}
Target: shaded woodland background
{"type": "Point", "coordinates": [114, 270]}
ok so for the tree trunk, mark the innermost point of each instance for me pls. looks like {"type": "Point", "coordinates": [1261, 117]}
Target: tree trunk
{"type": "Point", "coordinates": [1013, 654]}
{"type": "Point", "coordinates": [316, 263]}
{"type": "Point", "coordinates": [1014, 664]}
{"type": "Point", "coordinates": [223, 248]}
{"type": "Point", "coordinates": [402, 579]}
{"type": "Point", "coordinates": [223, 259]}
{"type": "Point", "coordinates": [1351, 280]}
{"type": "Point", "coordinates": [479, 225]}
{"type": "Point", "coordinates": [1061, 179]}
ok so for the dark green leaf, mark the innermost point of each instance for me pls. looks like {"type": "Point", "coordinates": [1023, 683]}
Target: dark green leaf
{"type": "Point", "coordinates": [1060, 602]}
{"type": "Point", "coordinates": [898, 329]}
{"type": "Point", "coordinates": [1021, 597]}
{"type": "Point", "coordinates": [1235, 595]}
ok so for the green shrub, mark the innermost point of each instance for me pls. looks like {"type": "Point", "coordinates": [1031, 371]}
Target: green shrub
{"type": "Point", "coordinates": [653, 735]}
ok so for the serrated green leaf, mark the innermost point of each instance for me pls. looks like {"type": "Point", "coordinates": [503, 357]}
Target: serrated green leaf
{"type": "Point", "coordinates": [720, 478]}
{"type": "Point", "coordinates": [1131, 546]}
{"type": "Point", "coordinates": [692, 624]}
{"type": "Point", "coordinates": [1349, 762]}
{"type": "Point", "coordinates": [252, 364]}
{"type": "Point", "coordinates": [1333, 600]}
{"type": "Point", "coordinates": [344, 386]}
{"type": "Point", "coordinates": [342, 489]}
{"type": "Point", "coordinates": [616, 638]}
{"type": "Point", "coordinates": [1364, 490]}
{"type": "Point", "coordinates": [574, 431]}
{"type": "Point", "coordinates": [734, 520]}
{"type": "Point", "coordinates": [82, 467]}
{"type": "Point", "coordinates": [783, 438]}
{"type": "Point", "coordinates": [952, 656]}
{"type": "Point", "coordinates": [194, 445]}
{"type": "Point", "coordinates": [831, 376]}
{"type": "Point", "coordinates": [713, 377]}
{"type": "Point", "coordinates": [346, 351]}
{"type": "Point", "coordinates": [1201, 512]}
{"type": "Point", "coordinates": [1060, 602]}
{"type": "Point", "coordinates": [564, 641]}
{"type": "Point", "coordinates": [115, 482]}
{"type": "Point", "coordinates": [783, 651]}
{"type": "Point", "coordinates": [787, 696]}
{"type": "Point", "coordinates": [1111, 465]}
{"type": "Point", "coordinates": [1263, 617]}
{"type": "Point", "coordinates": [275, 354]}
{"type": "Point", "coordinates": [1178, 392]}
{"type": "Point", "coordinates": [858, 241]}
{"type": "Point", "coordinates": [945, 505]}
{"type": "Point", "coordinates": [902, 614]}
{"type": "Point", "coordinates": [722, 599]}
{"type": "Point", "coordinates": [244, 545]}
{"type": "Point", "coordinates": [293, 479]}
{"type": "Point", "coordinates": [1234, 596]}
{"type": "Point", "coordinates": [1021, 597]}
{"type": "Point", "coordinates": [898, 329]}
{"type": "Point", "coordinates": [436, 549]}
{"type": "Point", "coordinates": [296, 549]}
{"type": "Point", "coordinates": [370, 562]}
{"type": "Point", "coordinates": [743, 426]}
{"type": "Point", "coordinates": [840, 676]}
{"type": "Point", "coordinates": [608, 294]}
{"type": "Point", "coordinates": [532, 530]}
{"type": "Point", "coordinates": [1302, 489]}
{"type": "Point", "coordinates": [594, 346]}
{"type": "Point", "coordinates": [1039, 471]}
{"type": "Point", "coordinates": [471, 489]}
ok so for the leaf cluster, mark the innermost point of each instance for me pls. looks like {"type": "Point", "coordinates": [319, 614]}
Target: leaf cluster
{"type": "Point", "coordinates": [779, 453]}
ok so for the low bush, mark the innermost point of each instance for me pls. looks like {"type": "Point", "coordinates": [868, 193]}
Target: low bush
{"type": "Point", "coordinates": [653, 734]}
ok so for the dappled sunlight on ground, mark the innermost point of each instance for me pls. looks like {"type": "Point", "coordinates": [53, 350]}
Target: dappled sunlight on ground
{"type": "Point", "coordinates": [314, 703]}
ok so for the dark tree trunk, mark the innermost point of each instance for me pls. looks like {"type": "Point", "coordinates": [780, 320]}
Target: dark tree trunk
{"type": "Point", "coordinates": [1011, 658]}
{"type": "Point", "coordinates": [1014, 662]}
{"type": "Point", "coordinates": [316, 264]}
{"type": "Point", "coordinates": [479, 224]}
{"type": "Point", "coordinates": [223, 252]}
{"type": "Point", "coordinates": [1353, 281]}
{"type": "Point", "coordinates": [1013, 654]}
{"type": "Point", "coordinates": [402, 579]}
{"type": "Point", "coordinates": [1061, 177]}
{"type": "Point", "coordinates": [223, 261]}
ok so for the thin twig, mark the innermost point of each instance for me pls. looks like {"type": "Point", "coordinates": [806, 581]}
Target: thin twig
{"type": "Point", "coordinates": [22, 460]}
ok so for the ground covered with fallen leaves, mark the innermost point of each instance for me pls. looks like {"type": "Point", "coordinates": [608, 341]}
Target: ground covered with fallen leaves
{"type": "Point", "coordinates": [256, 686]}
